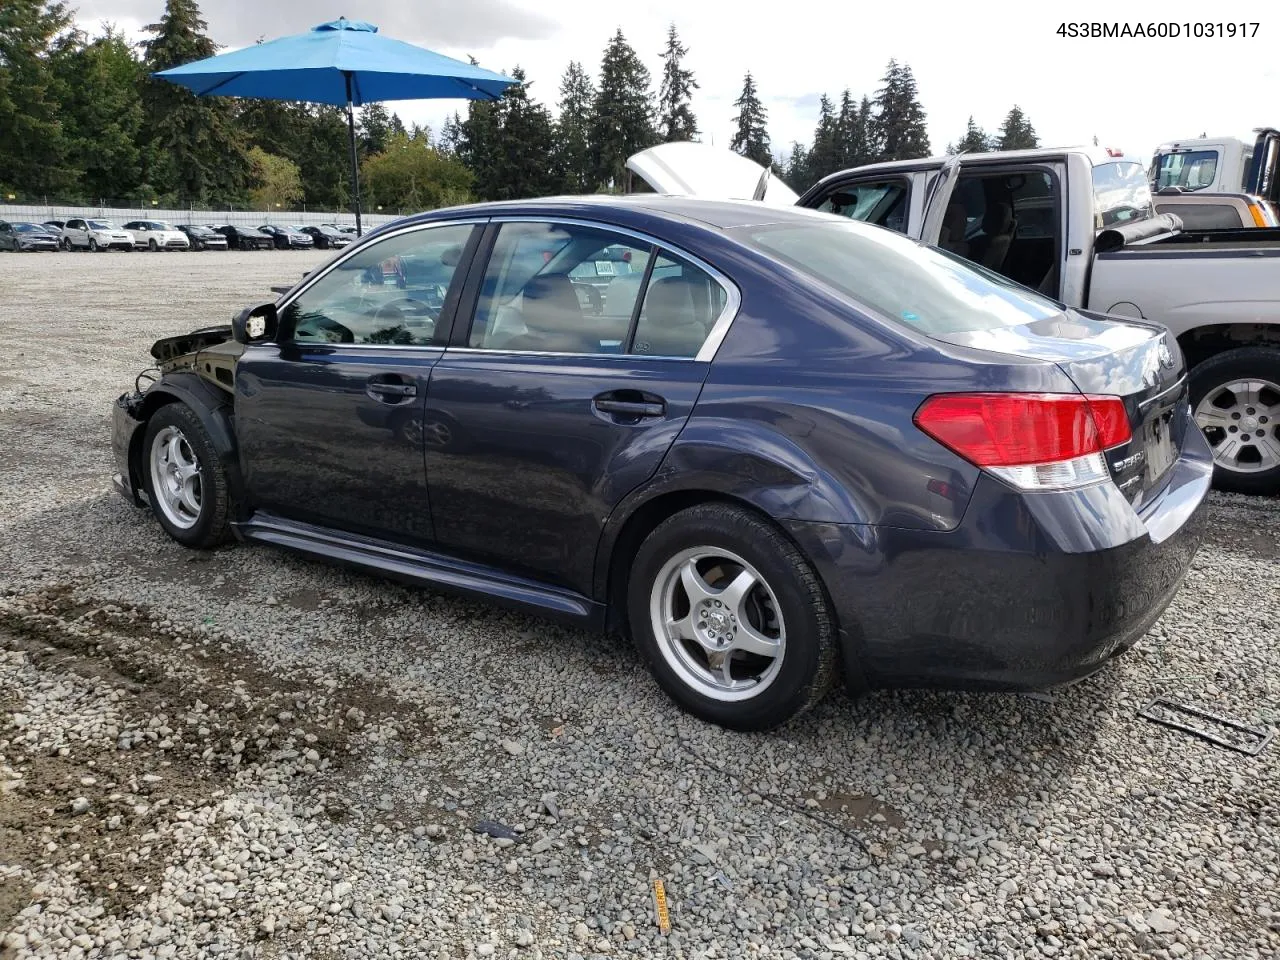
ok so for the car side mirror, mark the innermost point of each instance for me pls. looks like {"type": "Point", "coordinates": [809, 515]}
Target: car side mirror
{"type": "Point", "coordinates": [255, 324]}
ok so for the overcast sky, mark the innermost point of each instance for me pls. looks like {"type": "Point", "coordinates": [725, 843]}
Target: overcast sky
{"type": "Point", "coordinates": [967, 59]}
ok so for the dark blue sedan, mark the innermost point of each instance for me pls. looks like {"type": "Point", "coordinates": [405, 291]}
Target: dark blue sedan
{"type": "Point", "coordinates": [777, 448]}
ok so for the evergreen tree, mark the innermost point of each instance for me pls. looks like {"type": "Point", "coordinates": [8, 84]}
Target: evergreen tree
{"type": "Point", "coordinates": [574, 162]}
{"type": "Point", "coordinates": [451, 135]}
{"type": "Point", "coordinates": [374, 128]}
{"type": "Point", "coordinates": [796, 171]}
{"type": "Point", "coordinates": [751, 134]}
{"type": "Point", "coordinates": [102, 114]}
{"type": "Point", "coordinates": [622, 113]}
{"type": "Point", "coordinates": [867, 133]}
{"type": "Point", "coordinates": [36, 157]}
{"type": "Point", "coordinates": [1017, 132]}
{"type": "Point", "coordinates": [322, 153]}
{"type": "Point", "coordinates": [900, 119]}
{"type": "Point", "coordinates": [824, 155]}
{"type": "Point", "coordinates": [194, 150]}
{"type": "Point", "coordinates": [975, 140]}
{"type": "Point", "coordinates": [522, 166]}
{"type": "Point", "coordinates": [675, 115]}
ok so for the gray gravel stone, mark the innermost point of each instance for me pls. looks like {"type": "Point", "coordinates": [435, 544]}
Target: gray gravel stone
{"type": "Point", "coordinates": [300, 778]}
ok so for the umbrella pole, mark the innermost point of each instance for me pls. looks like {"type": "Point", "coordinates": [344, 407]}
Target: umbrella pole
{"type": "Point", "coordinates": [355, 163]}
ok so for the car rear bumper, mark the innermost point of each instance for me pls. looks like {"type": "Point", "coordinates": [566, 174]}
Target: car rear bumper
{"type": "Point", "coordinates": [1029, 592]}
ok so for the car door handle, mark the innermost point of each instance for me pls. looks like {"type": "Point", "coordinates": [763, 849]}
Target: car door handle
{"type": "Point", "coordinates": [390, 392]}
{"type": "Point", "coordinates": [609, 403]}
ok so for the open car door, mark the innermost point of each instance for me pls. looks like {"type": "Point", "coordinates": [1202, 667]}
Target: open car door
{"type": "Point", "coordinates": [700, 170]}
{"type": "Point", "coordinates": [937, 200]}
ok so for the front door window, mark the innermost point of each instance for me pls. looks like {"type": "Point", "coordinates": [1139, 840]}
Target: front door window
{"type": "Point", "coordinates": [390, 293]}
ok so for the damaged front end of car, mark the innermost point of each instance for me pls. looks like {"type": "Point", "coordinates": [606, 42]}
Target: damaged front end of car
{"type": "Point", "coordinates": [197, 369]}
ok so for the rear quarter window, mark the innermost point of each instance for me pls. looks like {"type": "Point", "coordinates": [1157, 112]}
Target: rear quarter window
{"type": "Point", "coordinates": [907, 282]}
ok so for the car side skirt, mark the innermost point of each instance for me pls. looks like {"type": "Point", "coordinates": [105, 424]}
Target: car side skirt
{"type": "Point", "coordinates": [424, 568]}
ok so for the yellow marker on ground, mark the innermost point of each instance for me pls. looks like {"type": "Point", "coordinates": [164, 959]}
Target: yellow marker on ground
{"type": "Point", "coordinates": [660, 906]}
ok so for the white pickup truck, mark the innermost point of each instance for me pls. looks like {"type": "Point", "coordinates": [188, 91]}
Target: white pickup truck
{"type": "Point", "coordinates": [1079, 226]}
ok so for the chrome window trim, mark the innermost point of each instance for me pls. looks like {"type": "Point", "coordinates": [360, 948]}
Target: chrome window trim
{"type": "Point", "coordinates": [719, 330]}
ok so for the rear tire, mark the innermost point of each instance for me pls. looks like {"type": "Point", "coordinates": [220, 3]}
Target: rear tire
{"type": "Point", "coordinates": [774, 628]}
{"type": "Point", "coordinates": [1235, 398]}
{"type": "Point", "coordinates": [185, 479]}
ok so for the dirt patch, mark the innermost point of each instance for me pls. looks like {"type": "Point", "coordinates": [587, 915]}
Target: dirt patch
{"type": "Point", "coordinates": [184, 736]}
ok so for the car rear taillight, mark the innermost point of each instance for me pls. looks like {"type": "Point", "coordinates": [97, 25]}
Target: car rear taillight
{"type": "Point", "coordinates": [1034, 441]}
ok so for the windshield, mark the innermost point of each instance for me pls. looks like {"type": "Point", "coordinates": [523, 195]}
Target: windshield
{"type": "Point", "coordinates": [1190, 170]}
{"type": "Point", "coordinates": [1121, 194]}
{"type": "Point", "coordinates": [29, 228]}
{"type": "Point", "coordinates": [914, 284]}
{"type": "Point", "coordinates": [101, 225]}
{"type": "Point", "coordinates": [158, 225]}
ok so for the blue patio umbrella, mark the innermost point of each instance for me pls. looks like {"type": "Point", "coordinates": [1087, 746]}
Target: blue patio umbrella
{"type": "Point", "coordinates": [343, 61]}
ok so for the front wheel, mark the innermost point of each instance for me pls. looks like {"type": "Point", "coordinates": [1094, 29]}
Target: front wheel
{"type": "Point", "coordinates": [731, 618]}
{"type": "Point", "coordinates": [152, 245]}
{"type": "Point", "coordinates": [93, 245]}
{"type": "Point", "coordinates": [1235, 397]}
{"type": "Point", "coordinates": [185, 478]}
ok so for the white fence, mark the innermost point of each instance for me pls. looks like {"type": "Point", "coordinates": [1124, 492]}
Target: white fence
{"type": "Point", "coordinates": [248, 218]}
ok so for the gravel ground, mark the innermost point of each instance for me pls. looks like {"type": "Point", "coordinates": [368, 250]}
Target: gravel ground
{"type": "Point", "coordinates": [249, 754]}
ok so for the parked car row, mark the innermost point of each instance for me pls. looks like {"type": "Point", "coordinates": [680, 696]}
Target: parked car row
{"type": "Point", "coordinates": [97, 234]}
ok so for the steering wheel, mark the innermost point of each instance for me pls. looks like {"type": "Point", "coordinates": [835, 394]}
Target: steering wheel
{"type": "Point", "coordinates": [339, 333]}
{"type": "Point", "coordinates": [395, 309]}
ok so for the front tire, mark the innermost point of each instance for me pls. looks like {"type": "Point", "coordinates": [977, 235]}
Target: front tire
{"type": "Point", "coordinates": [1235, 399]}
{"type": "Point", "coordinates": [731, 618]}
{"type": "Point", "coordinates": [152, 245]}
{"type": "Point", "coordinates": [93, 245]}
{"type": "Point", "coordinates": [185, 479]}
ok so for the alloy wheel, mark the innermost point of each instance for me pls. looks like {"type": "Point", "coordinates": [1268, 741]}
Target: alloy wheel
{"type": "Point", "coordinates": [175, 477]}
{"type": "Point", "coordinates": [718, 623]}
{"type": "Point", "coordinates": [1241, 421]}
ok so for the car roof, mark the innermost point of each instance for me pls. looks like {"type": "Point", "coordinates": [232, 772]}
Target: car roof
{"type": "Point", "coordinates": [622, 209]}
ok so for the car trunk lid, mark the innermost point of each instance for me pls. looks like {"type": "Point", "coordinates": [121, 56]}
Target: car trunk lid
{"type": "Point", "coordinates": [701, 170]}
{"type": "Point", "coordinates": [1140, 363]}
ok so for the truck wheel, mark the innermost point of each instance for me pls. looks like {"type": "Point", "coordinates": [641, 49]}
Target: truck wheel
{"type": "Point", "coordinates": [185, 479]}
{"type": "Point", "coordinates": [1235, 398]}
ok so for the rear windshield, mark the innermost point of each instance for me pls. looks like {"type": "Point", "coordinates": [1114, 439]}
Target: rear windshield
{"type": "Point", "coordinates": [920, 286]}
{"type": "Point", "coordinates": [1121, 194]}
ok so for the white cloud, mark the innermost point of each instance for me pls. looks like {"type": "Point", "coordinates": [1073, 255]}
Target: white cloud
{"type": "Point", "coordinates": [1131, 93]}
